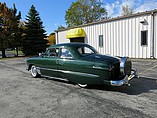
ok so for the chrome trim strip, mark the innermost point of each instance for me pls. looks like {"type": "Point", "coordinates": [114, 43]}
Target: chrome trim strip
{"type": "Point", "coordinates": [72, 72]}
{"type": "Point", "coordinates": [79, 73]}
{"type": "Point", "coordinates": [100, 68]}
{"type": "Point", "coordinates": [49, 69]}
{"type": "Point", "coordinates": [56, 78]}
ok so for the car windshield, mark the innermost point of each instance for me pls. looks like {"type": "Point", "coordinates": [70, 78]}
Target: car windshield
{"type": "Point", "coordinates": [84, 51]}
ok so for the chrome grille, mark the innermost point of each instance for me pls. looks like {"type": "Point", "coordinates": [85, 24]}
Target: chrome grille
{"type": "Point", "coordinates": [128, 67]}
{"type": "Point", "coordinates": [115, 72]}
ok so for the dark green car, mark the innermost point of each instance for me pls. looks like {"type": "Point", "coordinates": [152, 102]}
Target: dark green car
{"type": "Point", "coordinates": [82, 64]}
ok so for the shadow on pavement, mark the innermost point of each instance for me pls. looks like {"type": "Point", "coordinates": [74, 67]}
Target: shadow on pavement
{"type": "Point", "coordinates": [138, 86]}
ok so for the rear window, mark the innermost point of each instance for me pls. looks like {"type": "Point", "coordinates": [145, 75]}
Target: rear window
{"type": "Point", "coordinates": [86, 51]}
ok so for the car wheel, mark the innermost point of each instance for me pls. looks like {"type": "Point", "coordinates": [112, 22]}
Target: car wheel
{"type": "Point", "coordinates": [82, 85]}
{"type": "Point", "coordinates": [34, 71]}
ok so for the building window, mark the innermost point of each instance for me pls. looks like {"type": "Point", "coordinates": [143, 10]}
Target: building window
{"type": "Point", "coordinates": [144, 38]}
{"type": "Point", "coordinates": [101, 41]}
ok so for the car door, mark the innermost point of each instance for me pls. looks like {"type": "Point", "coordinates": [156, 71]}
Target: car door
{"type": "Point", "coordinates": [48, 64]}
{"type": "Point", "coordinates": [65, 63]}
{"type": "Point", "coordinates": [76, 70]}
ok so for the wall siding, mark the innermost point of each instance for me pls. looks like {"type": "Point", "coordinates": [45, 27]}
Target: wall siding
{"type": "Point", "coordinates": [120, 37]}
{"type": "Point", "coordinates": [155, 35]}
{"type": "Point", "coordinates": [62, 37]}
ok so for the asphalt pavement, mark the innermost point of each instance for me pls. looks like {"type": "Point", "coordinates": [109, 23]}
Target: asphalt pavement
{"type": "Point", "coordinates": [146, 67]}
{"type": "Point", "coordinates": [22, 96]}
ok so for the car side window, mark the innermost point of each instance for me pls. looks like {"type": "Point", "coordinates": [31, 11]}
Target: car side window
{"type": "Point", "coordinates": [52, 52]}
{"type": "Point", "coordinates": [65, 53]}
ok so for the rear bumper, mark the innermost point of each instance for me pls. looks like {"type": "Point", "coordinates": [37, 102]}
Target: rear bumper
{"type": "Point", "coordinates": [126, 79]}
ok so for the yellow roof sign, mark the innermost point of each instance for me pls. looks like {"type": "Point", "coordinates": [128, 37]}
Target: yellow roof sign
{"type": "Point", "coordinates": [75, 33]}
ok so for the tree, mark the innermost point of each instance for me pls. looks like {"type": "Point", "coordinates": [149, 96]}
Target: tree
{"type": "Point", "coordinates": [85, 11]}
{"type": "Point", "coordinates": [52, 39]}
{"type": "Point", "coordinates": [61, 27]}
{"type": "Point", "coordinates": [126, 10]}
{"type": "Point", "coordinates": [9, 26]}
{"type": "Point", "coordinates": [4, 22]}
{"type": "Point", "coordinates": [17, 31]}
{"type": "Point", "coordinates": [35, 37]}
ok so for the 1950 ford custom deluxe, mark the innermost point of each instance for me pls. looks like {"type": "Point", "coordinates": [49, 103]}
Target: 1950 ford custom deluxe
{"type": "Point", "coordinates": [82, 64]}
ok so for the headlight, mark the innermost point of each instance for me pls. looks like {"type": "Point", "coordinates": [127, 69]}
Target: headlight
{"type": "Point", "coordinates": [125, 66]}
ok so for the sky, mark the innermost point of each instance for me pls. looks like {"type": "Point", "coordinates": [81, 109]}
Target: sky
{"type": "Point", "coordinates": [52, 12]}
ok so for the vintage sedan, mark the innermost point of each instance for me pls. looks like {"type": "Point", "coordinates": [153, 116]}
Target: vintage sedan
{"type": "Point", "coordinates": [82, 64]}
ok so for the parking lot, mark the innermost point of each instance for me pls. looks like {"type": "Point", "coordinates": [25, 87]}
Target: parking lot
{"type": "Point", "coordinates": [22, 96]}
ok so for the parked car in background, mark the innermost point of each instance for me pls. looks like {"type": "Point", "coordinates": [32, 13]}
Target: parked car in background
{"type": "Point", "coordinates": [82, 64]}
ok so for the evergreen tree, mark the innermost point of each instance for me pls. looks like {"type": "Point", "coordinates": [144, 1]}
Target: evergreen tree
{"type": "Point", "coordinates": [61, 27]}
{"type": "Point", "coordinates": [16, 30]}
{"type": "Point", "coordinates": [34, 40]}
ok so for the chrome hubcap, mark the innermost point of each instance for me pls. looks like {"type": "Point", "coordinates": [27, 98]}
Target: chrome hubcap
{"type": "Point", "coordinates": [83, 85]}
{"type": "Point", "coordinates": [34, 71]}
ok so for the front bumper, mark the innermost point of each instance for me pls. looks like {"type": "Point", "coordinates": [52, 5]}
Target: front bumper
{"type": "Point", "coordinates": [126, 79]}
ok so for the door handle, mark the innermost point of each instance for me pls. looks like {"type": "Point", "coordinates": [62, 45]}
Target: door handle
{"type": "Point", "coordinates": [57, 61]}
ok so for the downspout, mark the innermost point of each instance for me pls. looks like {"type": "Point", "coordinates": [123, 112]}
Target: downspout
{"type": "Point", "coordinates": [152, 37]}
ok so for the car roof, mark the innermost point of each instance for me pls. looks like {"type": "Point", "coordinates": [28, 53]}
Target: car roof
{"type": "Point", "coordinates": [71, 45]}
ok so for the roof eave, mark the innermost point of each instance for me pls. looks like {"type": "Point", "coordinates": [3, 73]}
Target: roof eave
{"type": "Point", "coordinates": [109, 20]}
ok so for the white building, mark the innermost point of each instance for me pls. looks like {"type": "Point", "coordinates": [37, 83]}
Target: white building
{"type": "Point", "coordinates": [134, 36]}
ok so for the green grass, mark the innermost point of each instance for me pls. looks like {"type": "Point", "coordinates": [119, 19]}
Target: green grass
{"type": "Point", "coordinates": [14, 52]}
